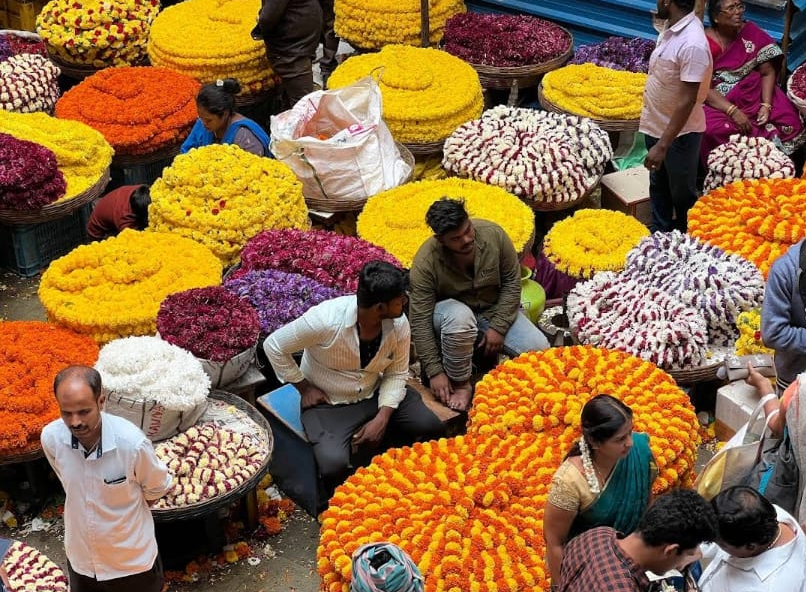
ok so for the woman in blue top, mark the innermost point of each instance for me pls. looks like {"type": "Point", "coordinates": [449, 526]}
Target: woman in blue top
{"type": "Point", "coordinates": [219, 123]}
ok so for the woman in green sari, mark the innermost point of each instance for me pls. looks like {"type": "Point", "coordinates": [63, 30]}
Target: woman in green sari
{"type": "Point", "coordinates": [605, 480]}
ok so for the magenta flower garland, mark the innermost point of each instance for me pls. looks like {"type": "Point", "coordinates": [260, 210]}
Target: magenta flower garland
{"type": "Point", "coordinates": [29, 177]}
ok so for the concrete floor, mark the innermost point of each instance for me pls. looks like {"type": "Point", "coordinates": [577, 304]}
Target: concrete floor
{"type": "Point", "coordinates": [287, 561]}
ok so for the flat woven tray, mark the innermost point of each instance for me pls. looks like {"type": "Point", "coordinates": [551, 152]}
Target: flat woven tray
{"type": "Point", "coordinates": [524, 76]}
{"type": "Point", "coordinates": [332, 205]}
{"type": "Point", "coordinates": [248, 420]}
{"type": "Point", "coordinates": [609, 125]}
{"type": "Point", "coordinates": [33, 454]}
{"type": "Point", "coordinates": [58, 209]}
{"type": "Point", "coordinates": [124, 161]}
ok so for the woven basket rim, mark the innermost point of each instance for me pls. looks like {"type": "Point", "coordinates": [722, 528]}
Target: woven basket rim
{"type": "Point", "coordinates": [27, 456]}
{"type": "Point", "coordinates": [609, 125]}
{"type": "Point", "coordinates": [692, 375]}
{"type": "Point", "coordinates": [425, 148]}
{"type": "Point", "coordinates": [131, 160]}
{"type": "Point", "coordinates": [58, 209]}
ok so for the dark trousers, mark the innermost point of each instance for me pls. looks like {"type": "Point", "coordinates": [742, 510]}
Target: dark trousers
{"type": "Point", "coordinates": [296, 76]}
{"type": "Point", "coordinates": [330, 43]}
{"type": "Point", "coordinates": [673, 186]}
{"type": "Point", "coordinates": [330, 429]}
{"type": "Point", "coordinates": [147, 581]}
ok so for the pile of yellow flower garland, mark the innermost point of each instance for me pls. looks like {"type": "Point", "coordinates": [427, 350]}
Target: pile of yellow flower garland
{"type": "Point", "coordinates": [113, 288]}
{"type": "Point", "coordinates": [395, 219]}
{"type": "Point", "coordinates": [758, 219]}
{"type": "Point", "coordinates": [82, 153]}
{"type": "Point", "coordinates": [749, 342]}
{"type": "Point", "coordinates": [210, 39]}
{"type": "Point", "coordinates": [221, 196]}
{"type": "Point", "coordinates": [372, 25]}
{"type": "Point", "coordinates": [592, 241]}
{"type": "Point", "coordinates": [545, 392]}
{"type": "Point", "coordinates": [427, 93]}
{"type": "Point", "coordinates": [97, 33]}
{"type": "Point", "coordinates": [596, 92]}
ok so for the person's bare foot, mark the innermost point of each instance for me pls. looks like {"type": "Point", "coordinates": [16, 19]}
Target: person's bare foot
{"type": "Point", "coordinates": [459, 399]}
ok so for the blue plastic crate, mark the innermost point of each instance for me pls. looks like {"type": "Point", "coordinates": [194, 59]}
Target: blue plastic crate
{"type": "Point", "coordinates": [28, 249]}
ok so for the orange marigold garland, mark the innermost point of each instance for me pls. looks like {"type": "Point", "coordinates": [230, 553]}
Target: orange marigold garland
{"type": "Point", "coordinates": [138, 110]}
{"type": "Point", "coordinates": [31, 354]}
{"type": "Point", "coordinates": [758, 219]}
{"type": "Point", "coordinates": [468, 510]}
{"type": "Point", "coordinates": [545, 391]}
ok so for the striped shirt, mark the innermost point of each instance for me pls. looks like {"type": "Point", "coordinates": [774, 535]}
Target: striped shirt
{"type": "Point", "coordinates": [331, 358]}
{"type": "Point", "coordinates": [593, 562]}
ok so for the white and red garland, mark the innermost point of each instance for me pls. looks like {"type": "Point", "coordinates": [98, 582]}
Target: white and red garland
{"type": "Point", "coordinates": [28, 570]}
{"type": "Point", "coordinates": [744, 157]}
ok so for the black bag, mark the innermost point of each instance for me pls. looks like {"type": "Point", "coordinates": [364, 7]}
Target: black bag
{"type": "Point", "coordinates": [776, 474]}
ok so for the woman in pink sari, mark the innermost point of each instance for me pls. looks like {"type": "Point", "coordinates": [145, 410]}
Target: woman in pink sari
{"type": "Point", "coordinates": [745, 97]}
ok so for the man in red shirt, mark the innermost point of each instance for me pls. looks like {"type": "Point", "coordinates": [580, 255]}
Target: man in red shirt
{"type": "Point", "coordinates": [125, 207]}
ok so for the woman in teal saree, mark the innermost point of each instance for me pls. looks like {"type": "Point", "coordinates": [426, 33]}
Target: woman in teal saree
{"type": "Point", "coordinates": [606, 479]}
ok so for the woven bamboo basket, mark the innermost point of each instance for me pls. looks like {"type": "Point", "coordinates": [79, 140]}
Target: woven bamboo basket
{"type": "Point", "coordinates": [249, 100]}
{"type": "Point", "coordinates": [59, 209]}
{"type": "Point", "coordinates": [695, 375]}
{"type": "Point", "coordinates": [333, 205]}
{"type": "Point", "coordinates": [132, 160]}
{"type": "Point", "coordinates": [425, 148]}
{"type": "Point", "coordinates": [796, 100]}
{"type": "Point", "coordinates": [609, 125]}
{"type": "Point", "coordinates": [211, 505]}
{"type": "Point", "coordinates": [82, 71]}
{"type": "Point", "coordinates": [523, 76]}
{"type": "Point", "coordinates": [21, 457]}
{"type": "Point", "coordinates": [540, 206]}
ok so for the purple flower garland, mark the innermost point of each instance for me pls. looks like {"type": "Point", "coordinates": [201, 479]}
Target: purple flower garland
{"type": "Point", "coordinates": [29, 177]}
{"type": "Point", "coordinates": [617, 53]}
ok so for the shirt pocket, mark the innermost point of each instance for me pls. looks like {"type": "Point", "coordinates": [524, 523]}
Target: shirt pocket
{"type": "Point", "coordinates": [116, 493]}
{"type": "Point", "coordinates": [488, 276]}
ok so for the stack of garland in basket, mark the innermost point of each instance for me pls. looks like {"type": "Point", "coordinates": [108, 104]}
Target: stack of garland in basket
{"type": "Point", "coordinates": [543, 158]}
{"type": "Point", "coordinates": [97, 33]}
{"type": "Point", "coordinates": [29, 178]}
{"type": "Point", "coordinates": [617, 53]}
{"type": "Point", "coordinates": [746, 157]}
{"type": "Point", "coordinates": [29, 81]}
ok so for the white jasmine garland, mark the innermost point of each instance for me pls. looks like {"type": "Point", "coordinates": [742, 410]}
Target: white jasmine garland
{"type": "Point", "coordinates": [719, 285]}
{"type": "Point", "coordinates": [150, 369]}
{"type": "Point", "coordinates": [587, 466]}
{"type": "Point", "coordinates": [28, 569]}
{"type": "Point", "coordinates": [28, 83]}
{"type": "Point", "coordinates": [744, 157]}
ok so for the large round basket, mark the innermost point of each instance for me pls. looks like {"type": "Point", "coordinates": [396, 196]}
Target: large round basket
{"type": "Point", "coordinates": [134, 160]}
{"type": "Point", "coordinates": [211, 505]}
{"type": "Point", "coordinates": [27, 456]}
{"type": "Point", "coordinates": [58, 209]}
{"type": "Point", "coordinates": [425, 149]}
{"type": "Point", "coordinates": [523, 76]}
{"type": "Point", "coordinates": [540, 206]}
{"type": "Point", "coordinates": [609, 125]}
{"type": "Point", "coordinates": [249, 100]}
{"type": "Point", "coordinates": [796, 100]}
{"type": "Point", "coordinates": [332, 205]}
{"type": "Point", "coordinates": [695, 375]}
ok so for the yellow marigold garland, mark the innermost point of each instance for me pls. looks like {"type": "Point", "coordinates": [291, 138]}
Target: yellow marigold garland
{"type": "Point", "coordinates": [372, 24]}
{"type": "Point", "coordinates": [596, 92]}
{"type": "Point", "coordinates": [468, 510]}
{"type": "Point", "coordinates": [758, 219]}
{"type": "Point", "coordinates": [395, 219]}
{"type": "Point", "coordinates": [545, 391]}
{"type": "Point", "coordinates": [113, 288]}
{"type": "Point", "coordinates": [210, 39]}
{"type": "Point", "coordinates": [749, 342]}
{"type": "Point", "coordinates": [592, 241]}
{"type": "Point", "coordinates": [427, 93]}
{"type": "Point", "coordinates": [82, 153]}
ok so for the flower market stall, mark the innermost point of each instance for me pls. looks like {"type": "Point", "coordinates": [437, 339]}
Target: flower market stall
{"type": "Point", "coordinates": [550, 161]}
{"type": "Point", "coordinates": [395, 219]}
{"type": "Point", "coordinates": [28, 569]}
{"type": "Point", "coordinates": [221, 196]}
{"type": "Point", "coordinates": [745, 157]}
{"type": "Point", "coordinates": [114, 288]}
{"type": "Point", "coordinates": [757, 219]}
{"type": "Point", "coordinates": [28, 79]}
{"type": "Point", "coordinates": [427, 93]}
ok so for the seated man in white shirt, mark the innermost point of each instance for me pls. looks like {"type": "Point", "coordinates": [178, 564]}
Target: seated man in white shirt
{"type": "Point", "coordinates": [352, 378]}
{"type": "Point", "coordinates": [761, 548]}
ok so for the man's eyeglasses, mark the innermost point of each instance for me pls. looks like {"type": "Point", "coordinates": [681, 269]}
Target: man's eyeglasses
{"type": "Point", "coordinates": [734, 8]}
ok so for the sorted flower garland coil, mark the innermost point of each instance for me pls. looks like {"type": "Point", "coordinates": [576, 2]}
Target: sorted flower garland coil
{"type": "Point", "coordinates": [28, 569]}
{"type": "Point", "coordinates": [717, 284]}
{"type": "Point", "coordinates": [29, 178]}
{"type": "Point", "coordinates": [82, 154]}
{"type": "Point", "coordinates": [395, 219]}
{"type": "Point", "coordinates": [617, 53]}
{"type": "Point", "coordinates": [326, 257]}
{"type": "Point", "coordinates": [596, 92]}
{"type": "Point", "coordinates": [221, 196]}
{"type": "Point", "coordinates": [139, 110]}
{"type": "Point", "coordinates": [97, 33]}
{"type": "Point", "coordinates": [591, 241]}
{"type": "Point", "coordinates": [427, 93]}
{"type": "Point", "coordinates": [537, 155]}
{"type": "Point", "coordinates": [744, 157]}
{"type": "Point", "coordinates": [28, 83]}
{"type": "Point", "coordinates": [377, 23]}
{"type": "Point", "coordinates": [32, 353]}
{"type": "Point", "coordinates": [113, 288]}
{"type": "Point", "coordinates": [617, 311]}
{"type": "Point", "coordinates": [758, 219]}
{"type": "Point", "coordinates": [468, 511]}
{"type": "Point", "coordinates": [749, 325]}
{"type": "Point", "coordinates": [210, 40]}
{"type": "Point", "coordinates": [545, 391]}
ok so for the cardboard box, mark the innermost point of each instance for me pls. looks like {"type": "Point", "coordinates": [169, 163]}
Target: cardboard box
{"type": "Point", "coordinates": [628, 191]}
{"type": "Point", "coordinates": [734, 404]}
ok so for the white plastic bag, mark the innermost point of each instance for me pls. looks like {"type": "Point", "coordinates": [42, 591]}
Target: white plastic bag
{"type": "Point", "coordinates": [338, 145]}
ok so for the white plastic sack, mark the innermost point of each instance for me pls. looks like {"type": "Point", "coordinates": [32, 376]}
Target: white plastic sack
{"type": "Point", "coordinates": [338, 145]}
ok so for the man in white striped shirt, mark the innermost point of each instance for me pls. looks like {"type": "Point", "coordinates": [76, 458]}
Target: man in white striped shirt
{"type": "Point", "coordinates": [352, 378]}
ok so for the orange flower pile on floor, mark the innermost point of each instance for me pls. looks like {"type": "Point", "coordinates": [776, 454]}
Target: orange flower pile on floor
{"type": "Point", "coordinates": [138, 110]}
{"type": "Point", "coordinates": [758, 219]}
{"type": "Point", "coordinates": [544, 392]}
{"type": "Point", "coordinates": [31, 354]}
{"type": "Point", "coordinates": [468, 510]}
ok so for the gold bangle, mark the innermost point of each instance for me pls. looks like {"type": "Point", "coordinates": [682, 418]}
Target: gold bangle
{"type": "Point", "coordinates": [767, 105]}
{"type": "Point", "coordinates": [731, 110]}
